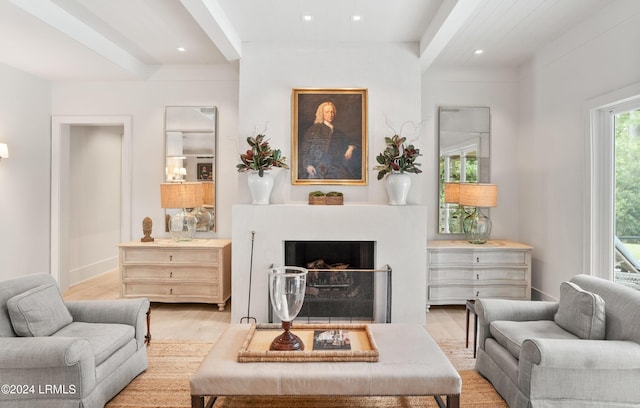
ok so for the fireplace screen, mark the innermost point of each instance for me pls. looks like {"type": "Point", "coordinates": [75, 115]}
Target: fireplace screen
{"type": "Point", "coordinates": [340, 283]}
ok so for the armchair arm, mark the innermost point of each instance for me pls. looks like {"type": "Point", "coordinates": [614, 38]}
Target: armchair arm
{"type": "Point", "coordinates": [42, 361]}
{"type": "Point", "coordinates": [124, 311]}
{"type": "Point", "coordinates": [589, 370]}
{"type": "Point", "coordinates": [489, 310]}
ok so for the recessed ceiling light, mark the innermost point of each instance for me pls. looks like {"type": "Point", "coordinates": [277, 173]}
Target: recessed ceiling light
{"type": "Point", "coordinates": [181, 49]}
{"type": "Point", "coordinates": [478, 52]}
{"type": "Point", "coordinates": [356, 18]}
{"type": "Point", "coordinates": [307, 18]}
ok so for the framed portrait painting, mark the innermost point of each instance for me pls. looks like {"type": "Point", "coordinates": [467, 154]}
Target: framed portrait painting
{"type": "Point", "coordinates": [205, 171]}
{"type": "Point", "coordinates": [329, 141]}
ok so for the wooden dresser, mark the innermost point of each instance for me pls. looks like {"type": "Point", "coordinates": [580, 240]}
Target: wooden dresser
{"type": "Point", "coordinates": [168, 271]}
{"type": "Point", "coordinates": [459, 270]}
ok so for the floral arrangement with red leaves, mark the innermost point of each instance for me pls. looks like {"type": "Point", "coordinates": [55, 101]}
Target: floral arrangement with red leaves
{"type": "Point", "coordinates": [261, 156]}
{"type": "Point", "coordinates": [397, 157]}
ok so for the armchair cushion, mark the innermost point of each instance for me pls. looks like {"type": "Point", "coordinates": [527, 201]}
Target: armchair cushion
{"type": "Point", "coordinates": [580, 312]}
{"type": "Point", "coordinates": [511, 334]}
{"type": "Point", "coordinates": [39, 311]}
{"type": "Point", "coordinates": [104, 338]}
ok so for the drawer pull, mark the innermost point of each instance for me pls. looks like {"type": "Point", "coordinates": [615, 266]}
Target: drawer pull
{"type": "Point", "coordinates": [477, 276]}
{"type": "Point", "coordinates": [170, 257]}
{"type": "Point", "coordinates": [477, 259]}
{"type": "Point", "coordinates": [171, 291]}
{"type": "Point", "coordinates": [477, 293]}
{"type": "Point", "coordinates": [171, 274]}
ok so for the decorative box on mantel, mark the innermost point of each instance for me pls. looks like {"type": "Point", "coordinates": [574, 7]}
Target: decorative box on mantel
{"type": "Point", "coordinates": [459, 270]}
{"type": "Point", "coordinates": [399, 234]}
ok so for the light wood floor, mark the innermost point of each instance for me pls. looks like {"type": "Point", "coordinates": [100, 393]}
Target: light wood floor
{"type": "Point", "coordinates": [204, 322]}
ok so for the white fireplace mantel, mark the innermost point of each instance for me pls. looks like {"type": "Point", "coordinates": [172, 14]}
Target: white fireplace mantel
{"type": "Point", "coordinates": [399, 232]}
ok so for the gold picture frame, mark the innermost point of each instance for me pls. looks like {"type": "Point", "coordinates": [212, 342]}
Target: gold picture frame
{"type": "Point", "coordinates": [329, 148]}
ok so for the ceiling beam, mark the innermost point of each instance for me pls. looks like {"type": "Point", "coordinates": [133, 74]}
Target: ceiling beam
{"type": "Point", "coordinates": [58, 18]}
{"type": "Point", "coordinates": [449, 19]}
{"type": "Point", "coordinates": [215, 23]}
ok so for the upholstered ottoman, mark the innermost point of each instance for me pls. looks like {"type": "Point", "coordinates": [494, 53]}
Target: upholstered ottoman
{"type": "Point", "coordinates": [410, 363]}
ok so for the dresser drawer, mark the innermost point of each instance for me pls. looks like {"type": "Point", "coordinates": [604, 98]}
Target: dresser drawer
{"type": "Point", "coordinates": [479, 258]}
{"type": "Point", "coordinates": [168, 255]}
{"type": "Point", "coordinates": [462, 292]}
{"type": "Point", "coordinates": [197, 271]}
{"type": "Point", "coordinates": [477, 275]}
{"type": "Point", "coordinates": [152, 290]}
{"type": "Point", "coordinates": [170, 273]}
{"type": "Point", "coordinates": [458, 271]}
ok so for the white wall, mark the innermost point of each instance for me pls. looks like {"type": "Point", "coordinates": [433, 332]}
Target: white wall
{"type": "Point", "coordinates": [496, 89]}
{"type": "Point", "coordinates": [145, 101]}
{"type": "Point", "coordinates": [94, 230]}
{"type": "Point", "coordinates": [269, 72]}
{"type": "Point", "coordinates": [25, 106]}
{"type": "Point", "coordinates": [597, 57]}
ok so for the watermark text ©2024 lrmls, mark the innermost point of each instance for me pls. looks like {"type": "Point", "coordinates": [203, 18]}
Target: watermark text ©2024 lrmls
{"type": "Point", "coordinates": [38, 389]}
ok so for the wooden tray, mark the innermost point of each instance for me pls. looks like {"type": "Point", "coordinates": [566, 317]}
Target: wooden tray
{"type": "Point", "coordinates": [317, 200]}
{"type": "Point", "coordinates": [259, 338]}
{"type": "Point", "coordinates": [335, 200]}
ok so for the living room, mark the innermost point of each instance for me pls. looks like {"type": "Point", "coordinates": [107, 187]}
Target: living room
{"type": "Point", "coordinates": [541, 145]}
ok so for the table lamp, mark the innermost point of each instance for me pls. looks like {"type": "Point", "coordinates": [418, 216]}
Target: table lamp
{"type": "Point", "coordinates": [451, 192]}
{"type": "Point", "coordinates": [455, 216]}
{"type": "Point", "coordinates": [477, 226]}
{"type": "Point", "coordinates": [204, 213]}
{"type": "Point", "coordinates": [182, 224]}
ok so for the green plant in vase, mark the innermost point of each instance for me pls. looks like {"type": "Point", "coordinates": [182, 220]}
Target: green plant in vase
{"type": "Point", "coordinates": [395, 162]}
{"type": "Point", "coordinates": [397, 157]}
{"type": "Point", "coordinates": [261, 157]}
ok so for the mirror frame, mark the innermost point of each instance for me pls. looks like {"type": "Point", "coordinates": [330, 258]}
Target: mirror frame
{"type": "Point", "coordinates": [200, 162]}
{"type": "Point", "coordinates": [471, 136]}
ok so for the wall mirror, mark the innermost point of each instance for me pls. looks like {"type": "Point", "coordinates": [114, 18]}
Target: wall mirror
{"type": "Point", "coordinates": [190, 141]}
{"type": "Point", "coordinates": [463, 143]}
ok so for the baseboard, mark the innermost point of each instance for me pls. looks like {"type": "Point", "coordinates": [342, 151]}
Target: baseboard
{"type": "Point", "coordinates": [541, 296]}
{"type": "Point", "coordinates": [87, 272]}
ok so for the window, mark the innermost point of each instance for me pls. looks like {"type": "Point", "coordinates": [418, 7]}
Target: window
{"type": "Point", "coordinates": [458, 164]}
{"type": "Point", "coordinates": [626, 135]}
{"type": "Point", "coordinates": [613, 177]}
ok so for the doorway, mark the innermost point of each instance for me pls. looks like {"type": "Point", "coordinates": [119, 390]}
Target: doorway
{"type": "Point", "coordinates": [68, 235]}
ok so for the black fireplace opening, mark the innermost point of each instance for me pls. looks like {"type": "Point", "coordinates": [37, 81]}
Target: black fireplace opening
{"type": "Point", "coordinates": [341, 279]}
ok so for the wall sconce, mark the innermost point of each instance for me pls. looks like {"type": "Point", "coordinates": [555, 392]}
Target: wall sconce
{"type": "Point", "coordinates": [4, 151]}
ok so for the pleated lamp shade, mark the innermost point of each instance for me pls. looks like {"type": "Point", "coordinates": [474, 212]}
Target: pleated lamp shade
{"type": "Point", "coordinates": [181, 195]}
{"type": "Point", "coordinates": [451, 193]}
{"type": "Point", "coordinates": [478, 195]}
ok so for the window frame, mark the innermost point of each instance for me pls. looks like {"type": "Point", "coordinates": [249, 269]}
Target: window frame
{"type": "Point", "coordinates": [599, 211]}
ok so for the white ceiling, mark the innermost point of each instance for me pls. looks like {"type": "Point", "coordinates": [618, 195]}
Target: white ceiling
{"type": "Point", "coordinates": [129, 39]}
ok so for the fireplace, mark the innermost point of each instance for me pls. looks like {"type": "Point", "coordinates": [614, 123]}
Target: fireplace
{"type": "Point", "coordinates": [398, 235]}
{"type": "Point", "coordinates": [341, 279]}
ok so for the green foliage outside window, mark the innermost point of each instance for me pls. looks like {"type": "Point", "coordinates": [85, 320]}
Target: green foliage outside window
{"type": "Point", "coordinates": [627, 155]}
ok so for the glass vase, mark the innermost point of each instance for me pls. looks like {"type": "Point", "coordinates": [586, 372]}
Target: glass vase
{"type": "Point", "coordinates": [286, 290]}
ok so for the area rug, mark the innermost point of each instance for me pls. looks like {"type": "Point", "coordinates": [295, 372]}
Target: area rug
{"type": "Point", "coordinates": [165, 384]}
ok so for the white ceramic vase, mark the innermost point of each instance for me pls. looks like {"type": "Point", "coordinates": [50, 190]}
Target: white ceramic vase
{"type": "Point", "coordinates": [260, 187]}
{"type": "Point", "coordinates": [398, 185]}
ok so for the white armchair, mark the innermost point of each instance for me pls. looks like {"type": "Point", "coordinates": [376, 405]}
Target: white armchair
{"type": "Point", "coordinates": [75, 354]}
